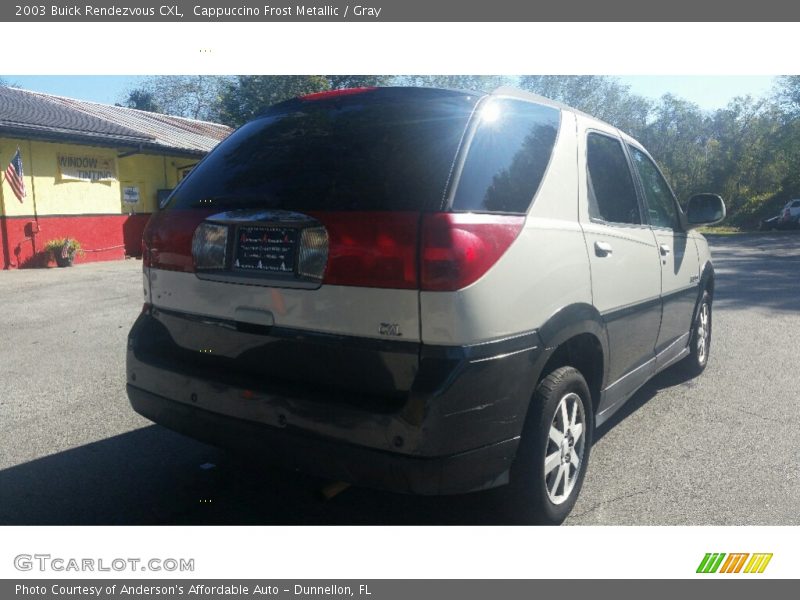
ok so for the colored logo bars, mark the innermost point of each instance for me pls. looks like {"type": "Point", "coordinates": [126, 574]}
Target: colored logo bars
{"type": "Point", "coordinates": [734, 562]}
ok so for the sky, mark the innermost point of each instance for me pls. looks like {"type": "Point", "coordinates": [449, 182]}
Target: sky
{"type": "Point", "coordinates": [708, 92]}
{"type": "Point", "coordinates": [107, 89]}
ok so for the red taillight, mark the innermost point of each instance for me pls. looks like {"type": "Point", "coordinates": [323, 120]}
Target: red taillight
{"type": "Point", "coordinates": [458, 248]}
{"type": "Point", "coordinates": [167, 240]}
{"type": "Point", "coordinates": [371, 249]}
{"type": "Point", "coordinates": [335, 93]}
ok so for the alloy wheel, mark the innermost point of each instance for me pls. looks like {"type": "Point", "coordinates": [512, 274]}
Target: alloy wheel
{"type": "Point", "coordinates": [703, 322]}
{"type": "Point", "coordinates": [565, 448]}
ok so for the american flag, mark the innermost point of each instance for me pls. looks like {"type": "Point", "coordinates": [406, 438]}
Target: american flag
{"type": "Point", "coordinates": [14, 176]}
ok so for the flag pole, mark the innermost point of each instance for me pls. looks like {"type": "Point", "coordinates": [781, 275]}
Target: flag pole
{"type": "Point", "coordinates": [33, 197]}
{"type": "Point", "coordinates": [33, 181]}
{"type": "Point", "coordinates": [4, 228]}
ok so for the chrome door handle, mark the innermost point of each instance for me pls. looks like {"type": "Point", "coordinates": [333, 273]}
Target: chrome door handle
{"type": "Point", "coordinates": [664, 249]}
{"type": "Point", "coordinates": [603, 249]}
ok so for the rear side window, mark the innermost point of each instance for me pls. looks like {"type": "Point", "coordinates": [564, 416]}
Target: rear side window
{"type": "Point", "coordinates": [612, 196]}
{"type": "Point", "coordinates": [385, 149]}
{"type": "Point", "coordinates": [507, 157]}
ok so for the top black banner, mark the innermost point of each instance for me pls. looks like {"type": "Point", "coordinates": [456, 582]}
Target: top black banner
{"type": "Point", "coordinates": [405, 10]}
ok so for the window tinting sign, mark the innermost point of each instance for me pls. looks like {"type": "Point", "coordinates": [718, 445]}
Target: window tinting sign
{"type": "Point", "coordinates": [86, 168]}
{"type": "Point", "coordinates": [266, 249]}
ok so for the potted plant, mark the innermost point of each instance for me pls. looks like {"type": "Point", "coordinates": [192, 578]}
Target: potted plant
{"type": "Point", "coordinates": [63, 250]}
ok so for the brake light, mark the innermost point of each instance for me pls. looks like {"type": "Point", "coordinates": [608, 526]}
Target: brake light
{"type": "Point", "coordinates": [335, 93]}
{"type": "Point", "coordinates": [371, 249]}
{"type": "Point", "coordinates": [167, 239]}
{"type": "Point", "coordinates": [458, 248]}
{"type": "Point", "coordinates": [379, 249]}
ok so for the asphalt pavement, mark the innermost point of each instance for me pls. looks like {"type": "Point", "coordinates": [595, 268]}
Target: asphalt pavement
{"type": "Point", "coordinates": [722, 449]}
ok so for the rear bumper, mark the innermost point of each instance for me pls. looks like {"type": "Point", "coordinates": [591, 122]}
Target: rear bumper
{"type": "Point", "coordinates": [295, 449]}
{"type": "Point", "coordinates": [452, 426]}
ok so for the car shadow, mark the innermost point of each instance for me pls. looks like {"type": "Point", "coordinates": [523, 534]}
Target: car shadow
{"type": "Point", "coordinates": [153, 476]}
{"type": "Point", "coordinates": [668, 378]}
{"type": "Point", "coordinates": [124, 479]}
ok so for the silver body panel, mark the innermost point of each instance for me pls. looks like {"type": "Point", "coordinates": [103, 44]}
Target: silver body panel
{"type": "Point", "coordinates": [344, 310]}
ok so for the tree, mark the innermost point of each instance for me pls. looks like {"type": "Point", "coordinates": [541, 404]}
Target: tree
{"type": "Point", "coordinates": [748, 162]}
{"type": "Point", "coordinates": [598, 95]}
{"type": "Point", "coordinates": [337, 82]}
{"type": "Point", "coordinates": [584, 92]}
{"type": "Point", "coordinates": [191, 96]}
{"type": "Point", "coordinates": [787, 94]}
{"type": "Point", "coordinates": [485, 83]}
{"type": "Point", "coordinates": [679, 138]}
{"type": "Point", "coordinates": [747, 151]}
{"type": "Point", "coordinates": [141, 99]}
{"type": "Point", "coordinates": [249, 95]}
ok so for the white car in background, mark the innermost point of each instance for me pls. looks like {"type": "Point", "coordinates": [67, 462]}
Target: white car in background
{"type": "Point", "coordinates": [791, 212]}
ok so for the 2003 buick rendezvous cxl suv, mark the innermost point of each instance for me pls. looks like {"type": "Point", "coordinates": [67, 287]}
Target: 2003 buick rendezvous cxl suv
{"type": "Point", "coordinates": [421, 290]}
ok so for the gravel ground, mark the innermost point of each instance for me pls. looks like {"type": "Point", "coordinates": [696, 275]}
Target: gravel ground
{"type": "Point", "coordinates": [718, 450]}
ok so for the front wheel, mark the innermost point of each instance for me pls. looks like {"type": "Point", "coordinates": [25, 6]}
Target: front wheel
{"type": "Point", "coordinates": [551, 461]}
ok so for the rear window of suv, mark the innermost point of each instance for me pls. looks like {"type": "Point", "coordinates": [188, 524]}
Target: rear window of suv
{"type": "Point", "coordinates": [382, 149]}
{"type": "Point", "coordinates": [507, 157]}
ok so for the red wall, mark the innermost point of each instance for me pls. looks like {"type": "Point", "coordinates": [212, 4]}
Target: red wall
{"type": "Point", "coordinates": [103, 237]}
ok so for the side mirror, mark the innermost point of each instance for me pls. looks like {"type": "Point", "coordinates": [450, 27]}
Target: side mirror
{"type": "Point", "coordinates": [704, 209]}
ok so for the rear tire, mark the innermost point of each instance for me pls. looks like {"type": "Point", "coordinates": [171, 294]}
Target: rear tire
{"type": "Point", "coordinates": [548, 473]}
{"type": "Point", "coordinates": [700, 339]}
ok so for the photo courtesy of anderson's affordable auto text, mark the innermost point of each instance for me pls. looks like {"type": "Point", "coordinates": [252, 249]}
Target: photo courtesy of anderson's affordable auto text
{"type": "Point", "coordinates": [241, 294]}
{"type": "Point", "coordinates": [186, 589]}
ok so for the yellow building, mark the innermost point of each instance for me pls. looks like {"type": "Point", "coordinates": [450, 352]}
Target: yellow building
{"type": "Point", "coordinates": [91, 172]}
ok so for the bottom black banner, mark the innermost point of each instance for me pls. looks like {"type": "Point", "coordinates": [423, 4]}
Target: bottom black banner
{"type": "Point", "coordinates": [387, 589]}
